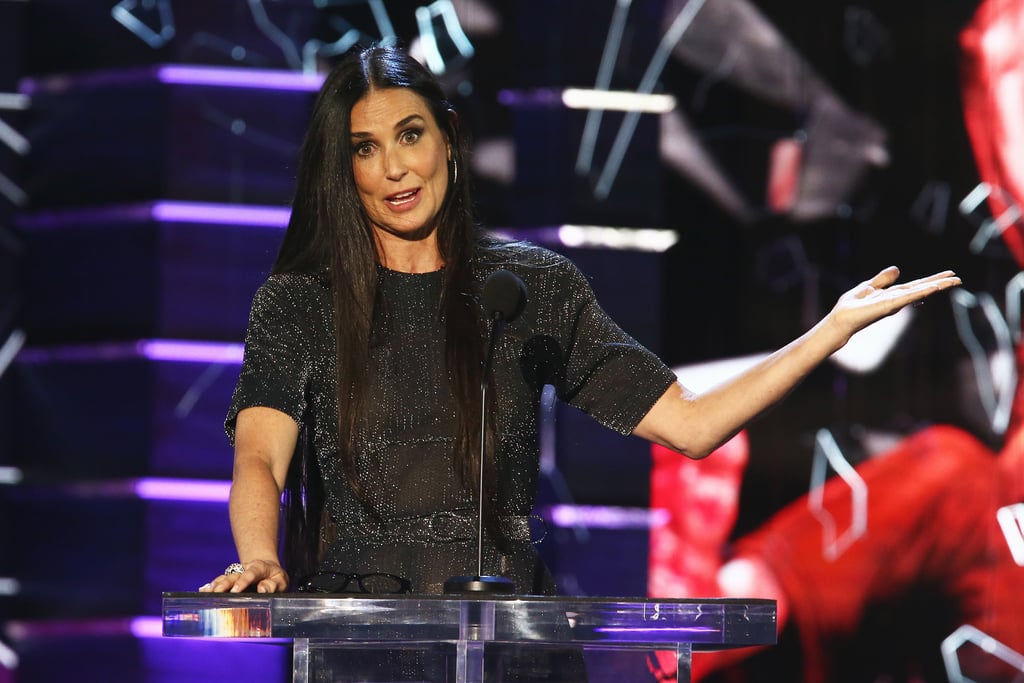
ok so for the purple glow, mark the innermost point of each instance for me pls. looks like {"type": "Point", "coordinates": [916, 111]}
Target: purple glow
{"type": "Point", "coordinates": [221, 214]}
{"type": "Point", "coordinates": [147, 627]}
{"type": "Point", "coordinates": [191, 490]}
{"type": "Point", "coordinates": [540, 97]}
{"type": "Point", "coordinates": [151, 349]}
{"type": "Point", "coordinates": [128, 213]}
{"type": "Point", "coordinates": [655, 630]}
{"type": "Point", "coordinates": [191, 352]}
{"type": "Point", "coordinates": [139, 627]}
{"type": "Point", "coordinates": [162, 212]}
{"type": "Point", "coordinates": [177, 74]}
{"type": "Point", "coordinates": [96, 79]}
{"type": "Point", "coordinates": [601, 517]}
{"type": "Point", "coordinates": [77, 628]}
{"type": "Point", "coordinates": [264, 79]}
{"type": "Point", "coordinates": [79, 353]}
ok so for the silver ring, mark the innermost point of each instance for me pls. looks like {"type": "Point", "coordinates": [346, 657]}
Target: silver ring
{"type": "Point", "coordinates": [234, 568]}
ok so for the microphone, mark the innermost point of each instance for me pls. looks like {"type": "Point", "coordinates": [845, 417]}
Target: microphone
{"type": "Point", "coordinates": [504, 298]}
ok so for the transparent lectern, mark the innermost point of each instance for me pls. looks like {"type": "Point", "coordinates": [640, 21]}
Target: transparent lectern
{"type": "Point", "coordinates": [473, 639]}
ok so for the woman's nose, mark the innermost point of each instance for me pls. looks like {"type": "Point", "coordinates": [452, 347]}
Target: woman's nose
{"type": "Point", "coordinates": [394, 165]}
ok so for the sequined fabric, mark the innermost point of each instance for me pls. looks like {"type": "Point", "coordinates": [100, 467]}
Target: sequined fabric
{"type": "Point", "coordinates": [562, 338]}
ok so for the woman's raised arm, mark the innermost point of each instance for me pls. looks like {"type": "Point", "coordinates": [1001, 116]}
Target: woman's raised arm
{"type": "Point", "coordinates": [696, 424]}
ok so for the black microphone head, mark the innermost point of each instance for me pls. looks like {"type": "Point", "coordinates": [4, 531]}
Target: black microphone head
{"type": "Point", "coordinates": [504, 296]}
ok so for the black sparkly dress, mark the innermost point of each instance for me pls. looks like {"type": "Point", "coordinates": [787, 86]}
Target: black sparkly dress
{"type": "Point", "coordinates": [426, 530]}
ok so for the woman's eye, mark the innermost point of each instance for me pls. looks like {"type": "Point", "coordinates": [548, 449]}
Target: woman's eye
{"type": "Point", "coordinates": [363, 149]}
{"type": "Point", "coordinates": [412, 135]}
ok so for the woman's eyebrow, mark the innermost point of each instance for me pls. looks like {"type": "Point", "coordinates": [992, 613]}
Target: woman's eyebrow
{"type": "Point", "coordinates": [404, 122]}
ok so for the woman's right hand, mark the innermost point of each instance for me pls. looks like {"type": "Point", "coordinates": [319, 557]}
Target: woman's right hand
{"type": "Point", "coordinates": [267, 577]}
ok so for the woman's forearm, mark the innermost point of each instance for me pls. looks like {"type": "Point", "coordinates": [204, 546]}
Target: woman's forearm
{"type": "Point", "coordinates": [254, 510]}
{"type": "Point", "coordinates": [696, 424]}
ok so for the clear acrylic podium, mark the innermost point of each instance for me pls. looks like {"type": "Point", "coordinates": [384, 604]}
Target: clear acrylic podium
{"type": "Point", "coordinates": [472, 639]}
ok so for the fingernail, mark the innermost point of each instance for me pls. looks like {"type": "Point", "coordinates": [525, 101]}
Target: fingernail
{"type": "Point", "coordinates": [204, 587]}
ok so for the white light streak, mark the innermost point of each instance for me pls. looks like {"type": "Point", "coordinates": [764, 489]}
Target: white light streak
{"type": "Point", "coordinates": [969, 634]}
{"type": "Point", "coordinates": [995, 389]}
{"type": "Point", "coordinates": [11, 475]}
{"type": "Point", "coordinates": [827, 452]}
{"type": "Point", "coordinates": [1011, 521]}
{"type": "Point", "coordinates": [14, 100]}
{"type": "Point", "coordinates": [638, 239]}
{"type": "Point", "coordinates": [8, 657]}
{"type": "Point", "coordinates": [10, 348]}
{"type": "Point", "coordinates": [617, 100]}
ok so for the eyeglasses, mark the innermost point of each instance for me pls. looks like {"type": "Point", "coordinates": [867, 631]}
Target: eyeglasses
{"type": "Point", "coordinates": [377, 583]}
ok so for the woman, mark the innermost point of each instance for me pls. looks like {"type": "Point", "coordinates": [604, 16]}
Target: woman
{"type": "Point", "coordinates": [367, 342]}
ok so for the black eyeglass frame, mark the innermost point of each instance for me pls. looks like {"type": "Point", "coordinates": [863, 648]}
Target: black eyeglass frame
{"type": "Point", "coordinates": [338, 582]}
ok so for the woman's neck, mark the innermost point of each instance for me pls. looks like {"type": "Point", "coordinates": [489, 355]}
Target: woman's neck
{"type": "Point", "coordinates": [418, 256]}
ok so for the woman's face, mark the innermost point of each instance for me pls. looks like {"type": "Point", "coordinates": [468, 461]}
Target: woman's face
{"type": "Point", "coordinates": [400, 163]}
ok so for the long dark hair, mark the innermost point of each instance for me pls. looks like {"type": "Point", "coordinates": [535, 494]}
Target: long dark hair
{"type": "Point", "coordinates": [329, 233]}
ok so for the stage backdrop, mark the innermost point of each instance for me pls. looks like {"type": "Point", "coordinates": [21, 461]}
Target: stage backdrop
{"type": "Point", "coordinates": [721, 169]}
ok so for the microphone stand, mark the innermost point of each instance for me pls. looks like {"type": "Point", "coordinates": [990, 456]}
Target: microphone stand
{"type": "Point", "coordinates": [480, 583]}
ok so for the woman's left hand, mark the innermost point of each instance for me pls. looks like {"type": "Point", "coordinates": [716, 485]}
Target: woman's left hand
{"type": "Point", "coordinates": [879, 297]}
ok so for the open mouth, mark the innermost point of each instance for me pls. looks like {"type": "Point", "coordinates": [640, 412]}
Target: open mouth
{"type": "Point", "coordinates": [402, 198]}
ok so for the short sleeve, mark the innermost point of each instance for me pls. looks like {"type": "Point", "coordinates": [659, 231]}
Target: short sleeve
{"type": "Point", "coordinates": [608, 374]}
{"type": "Point", "coordinates": [276, 365]}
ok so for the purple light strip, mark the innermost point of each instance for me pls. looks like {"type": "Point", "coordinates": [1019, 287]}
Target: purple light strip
{"type": "Point", "coordinates": [605, 517]}
{"type": "Point", "coordinates": [151, 349]}
{"type": "Point", "coordinates": [78, 353]}
{"type": "Point", "coordinates": [238, 77]}
{"type": "Point", "coordinates": [655, 630]}
{"type": "Point", "coordinates": [128, 213]}
{"type": "Point", "coordinates": [188, 490]}
{"type": "Point", "coordinates": [539, 97]}
{"type": "Point", "coordinates": [139, 627]}
{"type": "Point", "coordinates": [191, 351]}
{"type": "Point", "coordinates": [221, 214]}
{"type": "Point", "coordinates": [59, 83]}
{"type": "Point", "coordinates": [147, 488]}
{"type": "Point", "coordinates": [177, 74]}
{"type": "Point", "coordinates": [163, 212]}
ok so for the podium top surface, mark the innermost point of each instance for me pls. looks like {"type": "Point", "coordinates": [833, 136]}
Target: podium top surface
{"type": "Point", "coordinates": [705, 623]}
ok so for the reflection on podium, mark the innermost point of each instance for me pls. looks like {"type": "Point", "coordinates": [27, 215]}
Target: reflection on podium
{"type": "Point", "coordinates": [469, 639]}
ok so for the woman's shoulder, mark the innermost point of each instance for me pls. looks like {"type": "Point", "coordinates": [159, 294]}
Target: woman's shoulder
{"type": "Point", "coordinates": [519, 256]}
{"type": "Point", "coordinates": [295, 282]}
{"type": "Point", "coordinates": [292, 289]}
